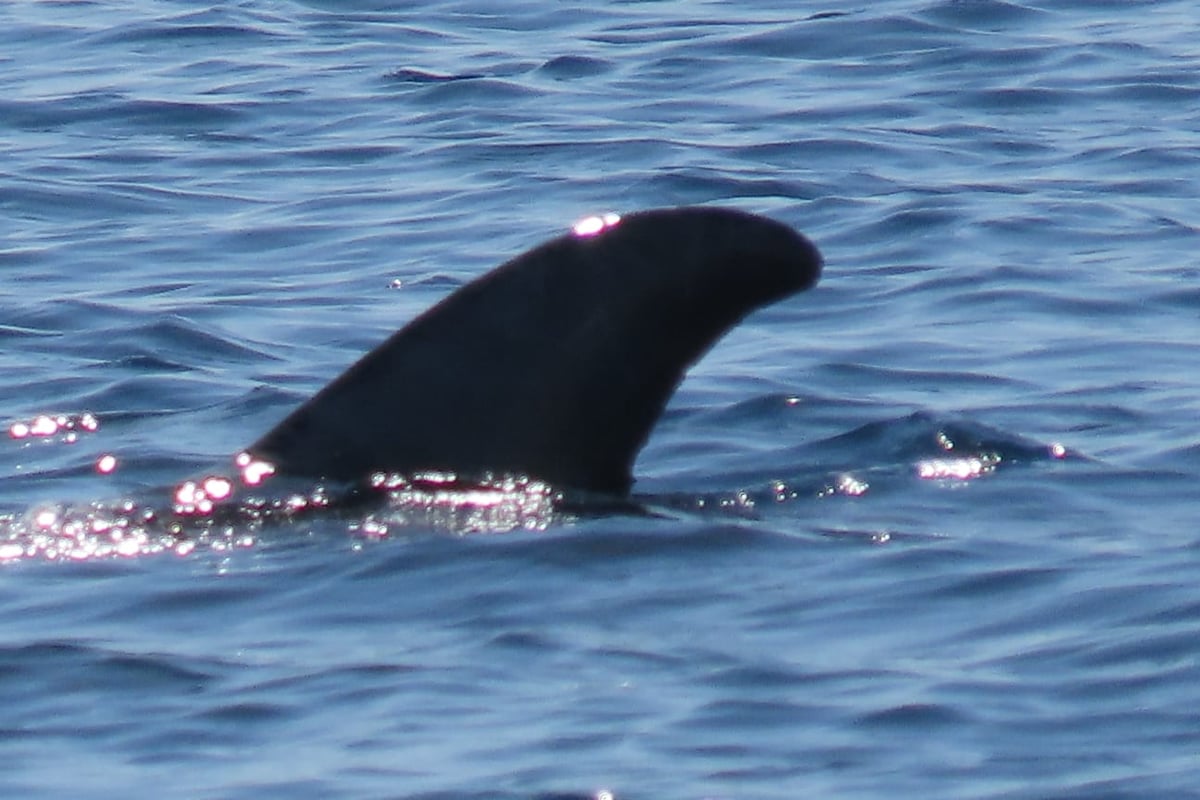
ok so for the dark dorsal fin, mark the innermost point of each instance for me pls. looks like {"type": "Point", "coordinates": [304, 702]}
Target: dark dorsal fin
{"type": "Point", "coordinates": [555, 365]}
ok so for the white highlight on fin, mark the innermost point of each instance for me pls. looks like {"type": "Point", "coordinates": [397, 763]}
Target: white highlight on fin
{"type": "Point", "coordinates": [253, 471]}
{"type": "Point", "coordinates": [590, 226]}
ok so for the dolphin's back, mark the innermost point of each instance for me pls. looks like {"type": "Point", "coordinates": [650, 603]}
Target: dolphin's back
{"type": "Point", "coordinates": [555, 365]}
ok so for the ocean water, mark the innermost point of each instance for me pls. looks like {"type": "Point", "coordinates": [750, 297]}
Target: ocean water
{"type": "Point", "coordinates": [929, 530]}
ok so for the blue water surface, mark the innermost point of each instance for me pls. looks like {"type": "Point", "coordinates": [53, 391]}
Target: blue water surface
{"type": "Point", "coordinates": [929, 530]}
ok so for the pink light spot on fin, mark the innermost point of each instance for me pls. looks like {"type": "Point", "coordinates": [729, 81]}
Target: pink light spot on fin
{"type": "Point", "coordinates": [254, 471]}
{"type": "Point", "coordinates": [590, 226]}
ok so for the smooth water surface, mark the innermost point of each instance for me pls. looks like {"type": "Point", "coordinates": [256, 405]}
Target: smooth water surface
{"type": "Point", "coordinates": [928, 530]}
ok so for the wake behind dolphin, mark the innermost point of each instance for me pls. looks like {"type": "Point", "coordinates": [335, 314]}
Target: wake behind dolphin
{"type": "Point", "coordinates": [555, 365]}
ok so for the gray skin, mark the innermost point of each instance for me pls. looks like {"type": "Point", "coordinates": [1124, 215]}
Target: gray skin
{"type": "Point", "coordinates": [555, 365]}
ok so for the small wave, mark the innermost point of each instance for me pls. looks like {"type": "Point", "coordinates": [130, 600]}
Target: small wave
{"type": "Point", "coordinates": [117, 110]}
{"type": "Point", "coordinates": [410, 75]}
{"type": "Point", "coordinates": [571, 67]}
{"type": "Point", "coordinates": [982, 14]}
{"type": "Point", "coordinates": [116, 670]}
{"type": "Point", "coordinates": [172, 32]}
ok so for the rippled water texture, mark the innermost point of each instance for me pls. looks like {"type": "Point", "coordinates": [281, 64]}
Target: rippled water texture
{"type": "Point", "coordinates": [927, 531]}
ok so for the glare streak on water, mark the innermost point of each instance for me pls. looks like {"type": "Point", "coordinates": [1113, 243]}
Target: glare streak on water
{"type": "Point", "coordinates": [928, 530]}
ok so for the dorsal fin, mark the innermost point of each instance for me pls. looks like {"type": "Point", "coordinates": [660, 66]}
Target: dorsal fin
{"type": "Point", "coordinates": [554, 365]}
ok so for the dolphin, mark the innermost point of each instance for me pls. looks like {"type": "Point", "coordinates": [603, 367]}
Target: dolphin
{"type": "Point", "coordinates": [555, 365]}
